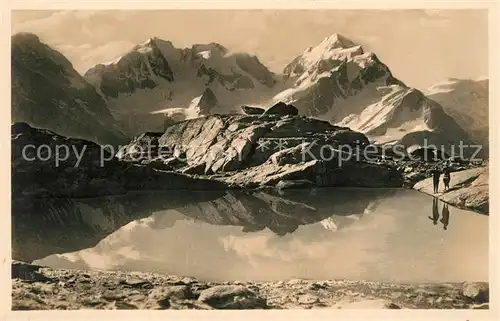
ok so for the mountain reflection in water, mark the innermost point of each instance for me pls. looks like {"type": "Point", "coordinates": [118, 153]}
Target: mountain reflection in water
{"type": "Point", "coordinates": [381, 234]}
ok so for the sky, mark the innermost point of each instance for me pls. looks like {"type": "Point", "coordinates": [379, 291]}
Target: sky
{"type": "Point", "coordinates": [421, 47]}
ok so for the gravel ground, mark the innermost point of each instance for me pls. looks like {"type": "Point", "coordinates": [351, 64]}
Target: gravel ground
{"type": "Point", "coordinates": [42, 288]}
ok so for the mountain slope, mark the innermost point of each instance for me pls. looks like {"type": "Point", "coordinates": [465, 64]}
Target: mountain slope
{"type": "Point", "coordinates": [335, 79]}
{"type": "Point", "coordinates": [48, 93]}
{"type": "Point", "coordinates": [466, 101]}
{"type": "Point", "coordinates": [155, 77]}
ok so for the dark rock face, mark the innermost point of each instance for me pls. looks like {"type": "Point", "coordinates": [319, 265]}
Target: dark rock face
{"type": "Point", "coordinates": [252, 110]}
{"type": "Point", "coordinates": [44, 162]}
{"type": "Point", "coordinates": [466, 100]}
{"type": "Point", "coordinates": [47, 92]}
{"type": "Point", "coordinates": [282, 109]}
{"type": "Point", "coordinates": [207, 102]}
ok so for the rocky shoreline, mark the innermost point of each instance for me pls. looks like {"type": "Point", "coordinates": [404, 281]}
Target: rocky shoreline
{"type": "Point", "coordinates": [42, 288]}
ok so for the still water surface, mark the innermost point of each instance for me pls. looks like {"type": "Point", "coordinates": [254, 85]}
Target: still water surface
{"type": "Point", "coordinates": [393, 235]}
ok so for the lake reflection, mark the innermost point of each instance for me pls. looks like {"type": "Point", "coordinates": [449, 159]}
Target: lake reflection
{"type": "Point", "coordinates": [372, 234]}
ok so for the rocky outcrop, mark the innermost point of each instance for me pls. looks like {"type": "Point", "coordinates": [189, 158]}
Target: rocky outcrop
{"type": "Point", "coordinates": [469, 189]}
{"type": "Point", "coordinates": [156, 77]}
{"type": "Point", "coordinates": [339, 82]}
{"type": "Point", "coordinates": [48, 92]}
{"type": "Point", "coordinates": [111, 290]}
{"type": "Point", "coordinates": [254, 151]}
{"type": "Point", "coordinates": [45, 163]}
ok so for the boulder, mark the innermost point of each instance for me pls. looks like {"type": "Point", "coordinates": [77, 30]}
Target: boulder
{"type": "Point", "coordinates": [27, 272]}
{"type": "Point", "coordinates": [232, 297]}
{"type": "Point", "coordinates": [252, 110]}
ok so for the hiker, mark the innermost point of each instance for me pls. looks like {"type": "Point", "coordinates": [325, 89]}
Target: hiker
{"type": "Point", "coordinates": [445, 219]}
{"type": "Point", "coordinates": [435, 211]}
{"type": "Point", "coordinates": [446, 178]}
{"type": "Point", "coordinates": [435, 179]}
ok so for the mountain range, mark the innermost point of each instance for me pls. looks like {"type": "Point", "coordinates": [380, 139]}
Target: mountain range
{"type": "Point", "coordinates": [335, 81]}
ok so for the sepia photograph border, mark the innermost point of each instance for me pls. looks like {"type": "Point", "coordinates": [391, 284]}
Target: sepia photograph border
{"type": "Point", "coordinates": [328, 314]}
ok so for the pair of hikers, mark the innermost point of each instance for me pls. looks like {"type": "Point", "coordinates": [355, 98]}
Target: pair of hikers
{"type": "Point", "coordinates": [445, 219]}
{"type": "Point", "coordinates": [446, 179]}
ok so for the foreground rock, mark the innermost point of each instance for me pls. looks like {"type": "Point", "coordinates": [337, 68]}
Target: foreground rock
{"type": "Point", "coordinates": [72, 289]}
{"type": "Point", "coordinates": [469, 189]}
{"type": "Point", "coordinates": [252, 151]}
{"type": "Point", "coordinates": [45, 163]}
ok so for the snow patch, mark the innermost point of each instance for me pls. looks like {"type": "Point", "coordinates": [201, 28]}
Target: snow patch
{"type": "Point", "coordinates": [205, 54]}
